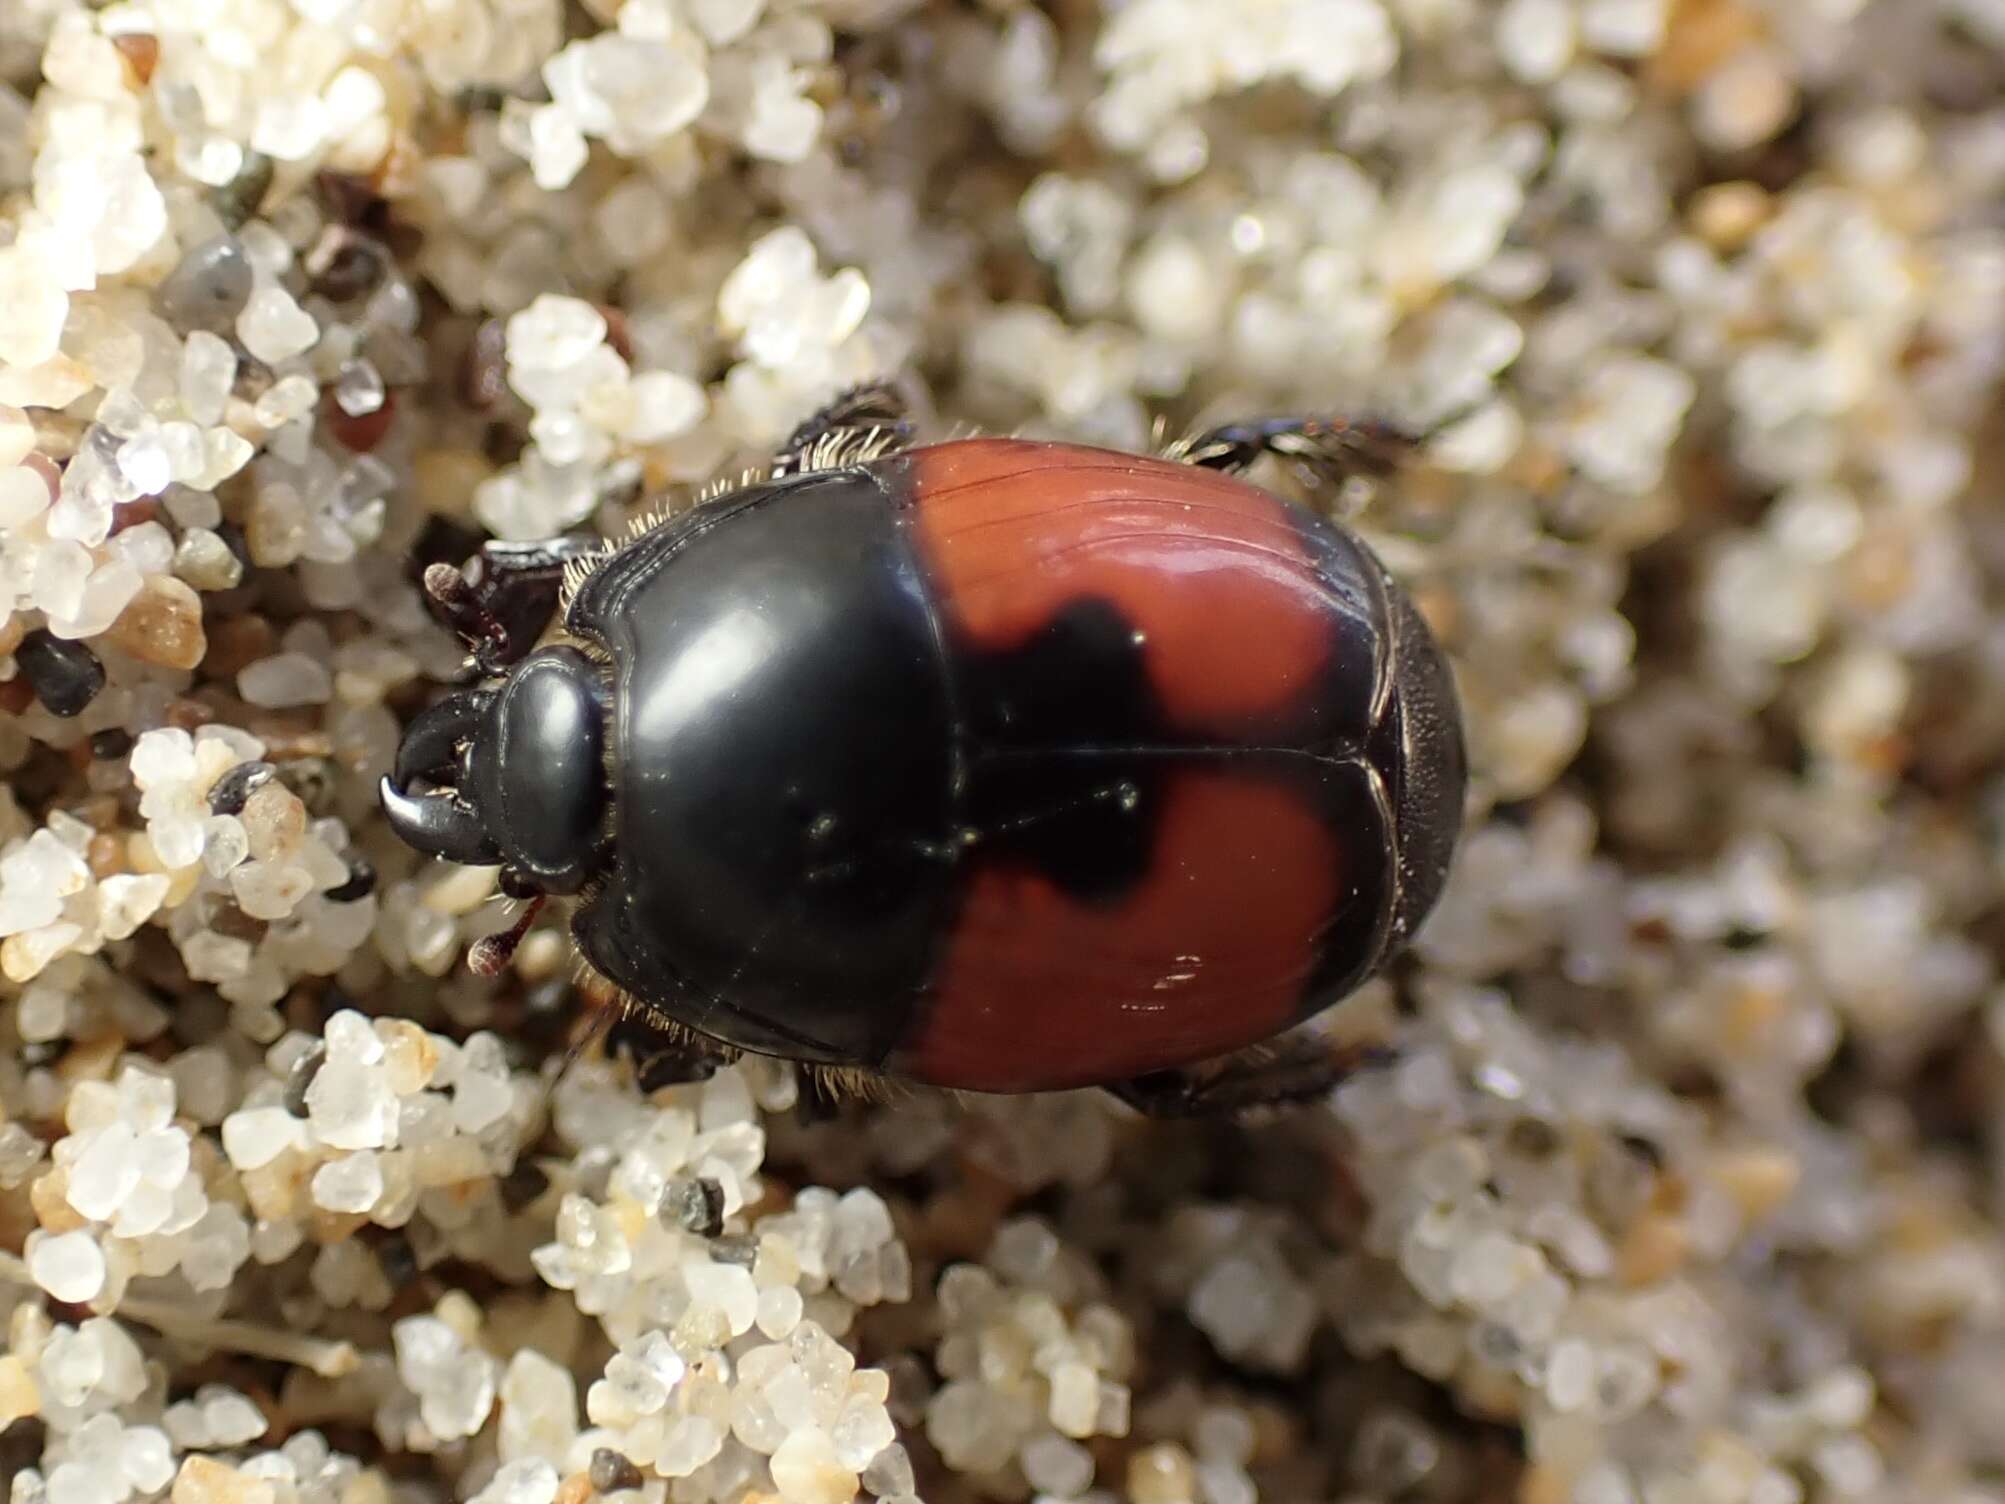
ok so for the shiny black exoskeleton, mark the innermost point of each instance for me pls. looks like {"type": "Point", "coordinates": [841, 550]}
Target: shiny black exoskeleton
{"type": "Point", "coordinates": [992, 765]}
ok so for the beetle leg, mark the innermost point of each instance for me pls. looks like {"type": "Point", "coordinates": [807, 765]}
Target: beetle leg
{"type": "Point", "coordinates": [1288, 1072]}
{"type": "Point", "coordinates": [664, 1051]}
{"type": "Point", "coordinates": [1330, 450]}
{"type": "Point", "coordinates": [500, 603]}
{"type": "Point", "coordinates": [862, 423]}
{"type": "Point", "coordinates": [662, 1058]}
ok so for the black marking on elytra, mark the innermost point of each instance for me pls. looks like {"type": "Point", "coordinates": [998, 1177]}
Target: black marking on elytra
{"type": "Point", "coordinates": [1080, 680]}
{"type": "Point", "coordinates": [1085, 821]}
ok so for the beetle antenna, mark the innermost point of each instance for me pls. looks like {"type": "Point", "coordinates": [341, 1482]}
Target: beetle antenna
{"type": "Point", "coordinates": [464, 611]}
{"type": "Point", "coordinates": [489, 954]}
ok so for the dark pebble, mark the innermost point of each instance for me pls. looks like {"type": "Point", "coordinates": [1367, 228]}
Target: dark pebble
{"type": "Point", "coordinates": [911, 1389]}
{"type": "Point", "coordinates": [312, 779]}
{"type": "Point", "coordinates": [359, 434]}
{"type": "Point", "coordinates": [361, 881]}
{"type": "Point", "coordinates": [346, 197]}
{"type": "Point", "coordinates": [301, 1078]}
{"type": "Point", "coordinates": [22, 1442]}
{"type": "Point", "coordinates": [66, 676]}
{"type": "Point", "coordinates": [739, 1249]}
{"type": "Point", "coordinates": [112, 744]}
{"type": "Point", "coordinates": [1644, 1149]}
{"type": "Point", "coordinates": [222, 915]}
{"type": "Point", "coordinates": [398, 1261]}
{"type": "Point", "coordinates": [1532, 1138]}
{"type": "Point", "coordinates": [238, 199]}
{"type": "Point", "coordinates": [612, 1472]}
{"type": "Point", "coordinates": [696, 1206]}
{"type": "Point", "coordinates": [522, 1185]}
{"type": "Point", "coordinates": [209, 288]}
{"type": "Point", "coordinates": [355, 267]}
{"type": "Point", "coordinates": [199, 1015]}
{"type": "Point", "coordinates": [484, 374]}
{"type": "Point", "coordinates": [228, 794]}
{"type": "Point", "coordinates": [234, 540]}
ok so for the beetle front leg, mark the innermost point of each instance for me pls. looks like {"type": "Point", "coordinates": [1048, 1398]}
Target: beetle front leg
{"type": "Point", "coordinates": [663, 1050]}
{"type": "Point", "coordinates": [1281, 1074]}
{"type": "Point", "coordinates": [666, 1058]}
{"type": "Point", "coordinates": [1330, 449]}
{"type": "Point", "coordinates": [502, 600]}
{"type": "Point", "coordinates": [861, 423]}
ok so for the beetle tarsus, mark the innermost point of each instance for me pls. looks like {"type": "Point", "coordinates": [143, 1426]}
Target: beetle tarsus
{"type": "Point", "coordinates": [1329, 450]}
{"type": "Point", "coordinates": [660, 1060]}
{"type": "Point", "coordinates": [861, 423]}
{"type": "Point", "coordinates": [1290, 1073]}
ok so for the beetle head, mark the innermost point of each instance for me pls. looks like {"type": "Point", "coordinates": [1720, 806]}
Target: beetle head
{"type": "Point", "coordinates": [510, 774]}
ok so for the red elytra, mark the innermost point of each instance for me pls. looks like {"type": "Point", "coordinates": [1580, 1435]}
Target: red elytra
{"type": "Point", "coordinates": [1212, 949]}
{"type": "Point", "coordinates": [1231, 621]}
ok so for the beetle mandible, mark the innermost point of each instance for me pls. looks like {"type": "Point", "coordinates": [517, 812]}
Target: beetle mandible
{"type": "Point", "coordinates": [992, 764]}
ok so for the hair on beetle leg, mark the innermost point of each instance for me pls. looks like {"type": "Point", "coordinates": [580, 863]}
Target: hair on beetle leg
{"type": "Point", "coordinates": [690, 1055]}
{"type": "Point", "coordinates": [664, 1050]}
{"type": "Point", "coordinates": [578, 573]}
{"type": "Point", "coordinates": [669, 1030]}
{"type": "Point", "coordinates": [1299, 1067]}
{"type": "Point", "coordinates": [1328, 450]}
{"type": "Point", "coordinates": [724, 485]}
{"type": "Point", "coordinates": [593, 649]}
{"type": "Point", "coordinates": [607, 1012]}
{"type": "Point", "coordinates": [843, 447]}
{"type": "Point", "coordinates": [860, 424]}
{"type": "Point", "coordinates": [837, 1086]}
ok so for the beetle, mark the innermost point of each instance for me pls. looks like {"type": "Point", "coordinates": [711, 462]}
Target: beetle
{"type": "Point", "coordinates": [992, 764]}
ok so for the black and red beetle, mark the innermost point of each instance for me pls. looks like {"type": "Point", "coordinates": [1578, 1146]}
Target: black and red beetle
{"type": "Point", "coordinates": [996, 765]}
